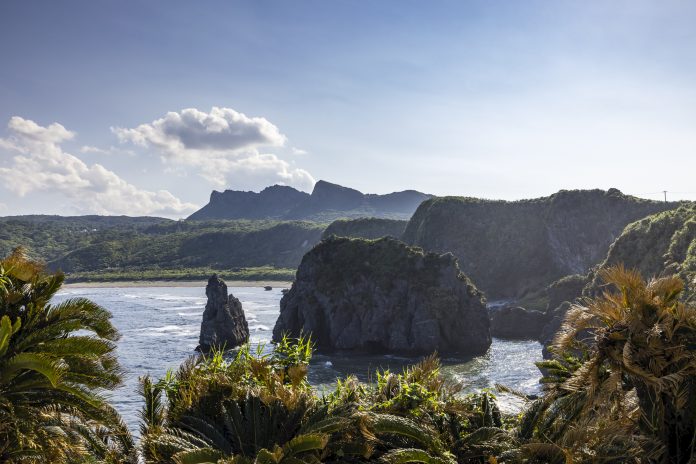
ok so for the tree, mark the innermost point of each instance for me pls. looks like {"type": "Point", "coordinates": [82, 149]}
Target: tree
{"type": "Point", "coordinates": [55, 362]}
{"type": "Point", "coordinates": [625, 374]}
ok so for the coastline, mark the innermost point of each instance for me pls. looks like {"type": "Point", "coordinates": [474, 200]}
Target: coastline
{"type": "Point", "coordinates": [176, 283]}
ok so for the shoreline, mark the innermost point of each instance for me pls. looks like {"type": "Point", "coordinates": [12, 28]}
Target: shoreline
{"type": "Point", "coordinates": [176, 283]}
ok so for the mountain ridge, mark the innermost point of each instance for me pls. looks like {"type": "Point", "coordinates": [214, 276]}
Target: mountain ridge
{"type": "Point", "coordinates": [327, 202]}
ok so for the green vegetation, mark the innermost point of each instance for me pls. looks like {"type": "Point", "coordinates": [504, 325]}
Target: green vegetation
{"type": "Point", "coordinates": [630, 389]}
{"type": "Point", "coordinates": [377, 261]}
{"type": "Point", "coordinates": [259, 408]}
{"type": "Point", "coordinates": [660, 244]}
{"type": "Point", "coordinates": [246, 274]}
{"type": "Point", "coordinates": [620, 388]}
{"type": "Point", "coordinates": [55, 362]}
{"type": "Point", "coordinates": [100, 248]}
{"type": "Point", "coordinates": [370, 228]}
{"type": "Point", "coordinates": [626, 394]}
{"type": "Point", "coordinates": [48, 238]}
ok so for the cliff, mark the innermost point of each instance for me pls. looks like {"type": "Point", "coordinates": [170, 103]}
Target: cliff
{"type": "Point", "coordinates": [660, 244]}
{"type": "Point", "coordinates": [383, 296]}
{"type": "Point", "coordinates": [327, 202]}
{"type": "Point", "coordinates": [271, 203]}
{"type": "Point", "coordinates": [511, 248]}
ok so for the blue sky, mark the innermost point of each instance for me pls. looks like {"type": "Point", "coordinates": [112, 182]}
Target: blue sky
{"type": "Point", "coordinates": [145, 107]}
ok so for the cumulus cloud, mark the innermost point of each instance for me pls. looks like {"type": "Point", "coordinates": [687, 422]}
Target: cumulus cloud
{"type": "Point", "coordinates": [41, 164]}
{"type": "Point", "coordinates": [222, 145]}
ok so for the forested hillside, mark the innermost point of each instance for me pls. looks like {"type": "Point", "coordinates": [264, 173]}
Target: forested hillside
{"type": "Point", "coordinates": [97, 247]}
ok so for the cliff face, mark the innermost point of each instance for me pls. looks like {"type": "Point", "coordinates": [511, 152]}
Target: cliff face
{"type": "Point", "coordinates": [270, 203]}
{"type": "Point", "coordinates": [327, 202]}
{"type": "Point", "coordinates": [370, 228]}
{"type": "Point", "coordinates": [660, 244]}
{"type": "Point", "coordinates": [383, 296]}
{"type": "Point", "coordinates": [509, 248]}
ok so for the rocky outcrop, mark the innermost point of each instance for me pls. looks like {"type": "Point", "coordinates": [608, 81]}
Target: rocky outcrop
{"type": "Point", "coordinates": [567, 288]}
{"type": "Point", "coordinates": [271, 203]}
{"type": "Point", "coordinates": [660, 244]}
{"type": "Point", "coordinates": [511, 248]}
{"type": "Point", "coordinates": [562, 294]}
{"type": "Point", "coordinates": [657, 245]}
{"type": "Point", "coordinates": [525, 322]}
{"type": "Point", "coordinates": [517, 322]}
{"type": "Point", "coordinates": [382, 296]}
{"type": "Point", "coordinates": [370, 228]}
{"type": "Point", "coordinates": [224, 324]}
{"type": "Point", "coordinates": [327, 202]}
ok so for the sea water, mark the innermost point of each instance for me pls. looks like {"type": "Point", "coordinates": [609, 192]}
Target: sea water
{"type": "Point", "coordinates": [159, 329]}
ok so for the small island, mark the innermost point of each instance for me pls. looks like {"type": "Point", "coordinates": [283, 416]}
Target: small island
{"type": "Point", "coordinates": [383, 296]}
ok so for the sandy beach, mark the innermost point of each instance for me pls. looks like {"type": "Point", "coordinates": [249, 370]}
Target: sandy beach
{"type": "Point", "coordinates": [177, 283]}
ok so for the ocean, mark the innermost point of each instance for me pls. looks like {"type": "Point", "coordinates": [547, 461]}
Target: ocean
{"type": "Point", "coordinates": [159, 329]}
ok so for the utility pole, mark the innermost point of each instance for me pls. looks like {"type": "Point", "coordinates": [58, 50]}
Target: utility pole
{"type": "Point", "coordinates": [665, 192]}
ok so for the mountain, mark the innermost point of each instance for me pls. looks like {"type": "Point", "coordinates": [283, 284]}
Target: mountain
{"type": "Point", "coordinates": [509, 249]}
{"type": "Point", "coordinates": [327, 202]}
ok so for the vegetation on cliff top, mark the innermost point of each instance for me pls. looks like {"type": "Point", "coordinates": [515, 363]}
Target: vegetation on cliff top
{"type": "Point", "coordinates": [511, 248]}
{"type": "Point", "coordinates": [661, 244]}
{"type": "Point", "coordinates": [370, 228]}
{"type": "Point", "coordinates": [380, 260]}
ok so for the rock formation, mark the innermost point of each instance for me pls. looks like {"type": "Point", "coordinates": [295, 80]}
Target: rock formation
{"type": "Point", "coordinates": [382, 296]}
{"type": "Point", "coordinates": [517, 322]}
{"type": "Point", "coordinates": [562, 294]}
{"type": "Point", "coordinates": [327, 202]}
{"type": "Point", "coordinates": [511, 248]}
{"type": "Point", "coordinates": [224, 324]}
{"type": "Point", "coordinates": [660, 244]}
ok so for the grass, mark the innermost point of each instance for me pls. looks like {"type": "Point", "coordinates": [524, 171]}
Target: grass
{"type": "Point", "coordinates": [199, 273]}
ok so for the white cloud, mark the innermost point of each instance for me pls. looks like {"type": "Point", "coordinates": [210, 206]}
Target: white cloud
{"type": "Point", "coordinates": [105, 151]}
{"type": "Point", "coordinates": [222, 145]}
{"type": "Point", "coordinates": [298, 151]}
{"type": "Point", "coordinates": [42, 165]}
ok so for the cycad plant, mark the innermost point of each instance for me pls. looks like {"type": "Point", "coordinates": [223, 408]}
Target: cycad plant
{"type": "Point", "coordinates": [55, 362]}
{"type": "Point", "coordinates": [260, 408]}
{"type": "Point", "coordinates": [624, 381]}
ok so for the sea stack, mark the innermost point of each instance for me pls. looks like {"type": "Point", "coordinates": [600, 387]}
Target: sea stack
{"type": "Point", "coordinates": [224, 324]}
{"type": "Point", "coordinates": [382, 296]}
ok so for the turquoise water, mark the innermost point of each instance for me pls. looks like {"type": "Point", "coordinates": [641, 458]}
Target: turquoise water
{"type": "Point", "coordinates": [159, 329]}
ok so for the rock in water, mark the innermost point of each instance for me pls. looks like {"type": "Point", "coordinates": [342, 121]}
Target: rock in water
{"type": "Point", "coordinates": [224, 324]}
{"type": "Point", "coordinates": [382, 296]}
{"type": "Point", "coordinates": [517, 323]}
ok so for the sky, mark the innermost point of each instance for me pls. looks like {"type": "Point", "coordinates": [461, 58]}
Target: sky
{"type": "Point", "coordinates": [145, 107]}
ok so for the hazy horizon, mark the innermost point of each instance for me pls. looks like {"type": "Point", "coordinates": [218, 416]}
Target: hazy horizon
{"type": "Point", "coordinates": [144, 108]}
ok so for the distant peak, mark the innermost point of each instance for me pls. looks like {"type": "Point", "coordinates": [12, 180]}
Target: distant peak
{"type": "Point", "coordinates": [324, 186]}
{"type": "Point", "coordinates": [278, 188]}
